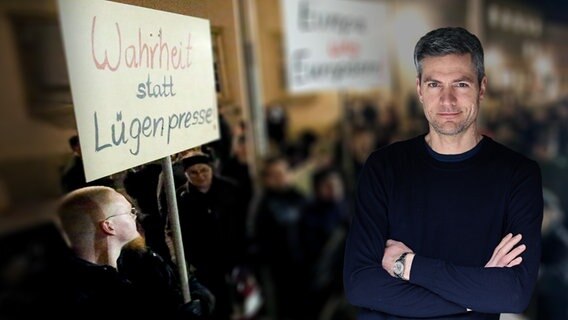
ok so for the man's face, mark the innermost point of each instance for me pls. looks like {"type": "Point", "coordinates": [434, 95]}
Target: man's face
{"type": "Point", "coordinates": [450, 93]}
{"type": "Point", "coordinates": [200, 175]}
{"type": "Point", "coordinates": [123, 218]}
{"type": "Point", "coordinates": [277, 176]}
{"type": "Point", "coordinates": [330, 189]}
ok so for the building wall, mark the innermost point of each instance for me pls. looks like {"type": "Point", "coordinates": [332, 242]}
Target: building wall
{"type": "Point", "coordinates": [30, 149]}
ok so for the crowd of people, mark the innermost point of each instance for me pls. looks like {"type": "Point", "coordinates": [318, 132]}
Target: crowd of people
{"type": "Point", "coordinates": [284, 240]}
{"type": "Point", "coordinates": [252, 253]}
{"type": "Point", "coordinates": [274, 248]}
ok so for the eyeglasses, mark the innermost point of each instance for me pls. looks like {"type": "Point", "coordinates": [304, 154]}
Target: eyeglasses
{"type": "Point", "coordinates": [133, 213]}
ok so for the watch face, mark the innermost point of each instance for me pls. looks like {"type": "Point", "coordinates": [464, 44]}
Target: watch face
{"type": "Point", "coordinates": [398, 268]}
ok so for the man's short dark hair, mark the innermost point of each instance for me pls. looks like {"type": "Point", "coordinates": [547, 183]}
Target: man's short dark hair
{"type": "Point", "coordinates": [449, 40]}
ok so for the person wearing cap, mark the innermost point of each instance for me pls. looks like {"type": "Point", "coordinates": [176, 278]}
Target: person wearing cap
{"type": "Point", "coordinates": [210, 213]}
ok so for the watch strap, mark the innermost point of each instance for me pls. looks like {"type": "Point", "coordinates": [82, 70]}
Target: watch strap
{"type": "Point", "coordinates": [402, 260]}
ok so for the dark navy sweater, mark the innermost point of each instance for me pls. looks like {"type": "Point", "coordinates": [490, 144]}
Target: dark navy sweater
{"type": "Point", "coordinates": [452, 211]}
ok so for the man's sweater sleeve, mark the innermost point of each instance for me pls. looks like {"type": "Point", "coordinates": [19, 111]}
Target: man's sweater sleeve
{"type": "Point", "coordinates": [367, 284]}
{"type": "Point", "coordinates": [494, 290]}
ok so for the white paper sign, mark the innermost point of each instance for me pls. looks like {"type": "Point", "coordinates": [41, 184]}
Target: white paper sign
{"type": "Point", "coordinates": [335, 44]}
{"type": "Point", "coordinates": [142, 83]}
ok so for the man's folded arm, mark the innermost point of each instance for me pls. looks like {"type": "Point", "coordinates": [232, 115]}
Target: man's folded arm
{"type": "Point", "coordinates": [494, 290]}
{"type": "Point", "coordinates": [367, 285]}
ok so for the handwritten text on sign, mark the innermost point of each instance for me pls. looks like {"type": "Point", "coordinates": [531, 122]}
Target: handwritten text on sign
{"type": "Point", "coordinates": [335, 44]}
{"type": "Point", "coordinates": [142, 83]}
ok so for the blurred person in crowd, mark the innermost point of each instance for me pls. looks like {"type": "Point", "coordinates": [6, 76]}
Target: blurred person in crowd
{"type": "Point", "coordinates": [510, 124]}
{"type": "Point", "coordinates": [237, 167]}
{"type": "Point", "coordinates": [363, 142]}
{"type": "Point", "coordinates": [212, 220]}
{"type": "Point", "coordinates": [416, 122]}
{"type": "Point", "coordinates": [447, 224]}
{"type": "Point", "coordinates": [277, 127]}
{"type": "Point", "coordinates": [98, 223]}
{"type": "Point", "coordinates": [179, 179]}
{"type": "Point", "coordinates": [304, 157]}
{"type": "Point", "coordinates": [220, 149]}
{"type": "Point", "coordinates": [552, 287]}
{"type": "Point", "coordinates": [73, 175]}
{"type": "Point", "coordinates": [323, 225]}
{"type": "Point", "coordinates": [554, 167]}
{"type": "Point", "coordinates": [561, 122]}
{"type": "Point", "coordinates": [276, 237]}
{"type": "Point", "coordinates": [300, 152]}
{"type": "Point", "coordinates": [351, 152]}
{"type": "Point", "coordinates": [388, 126]}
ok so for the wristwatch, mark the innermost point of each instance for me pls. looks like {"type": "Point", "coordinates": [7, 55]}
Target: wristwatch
{"type": "Point", "coordinates": [398, 268]}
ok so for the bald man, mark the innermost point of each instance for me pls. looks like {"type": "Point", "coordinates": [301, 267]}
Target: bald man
{"type": "Point", "coordinates": [98, 222]}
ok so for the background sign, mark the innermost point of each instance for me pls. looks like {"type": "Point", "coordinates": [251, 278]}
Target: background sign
{"type": "Point", "coordinates": [142, 83]}
{"type": "Point", "coordinates": [335, 44]}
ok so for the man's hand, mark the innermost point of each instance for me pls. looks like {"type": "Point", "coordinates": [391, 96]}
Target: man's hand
{"type": "Point", "coordinates": [505, 255]}
{"type": "Point", "coordinates": [393, 250]}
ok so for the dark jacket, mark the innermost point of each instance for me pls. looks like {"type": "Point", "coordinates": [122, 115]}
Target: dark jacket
{"type": "Point", "coordinates": [82, 288]}
{"type": "Point", "coordinates": [157, 280]}
{"type": "Point", "coordinates": [452, 211]}
{"type": "Point", "coordinates": [213, 238]}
